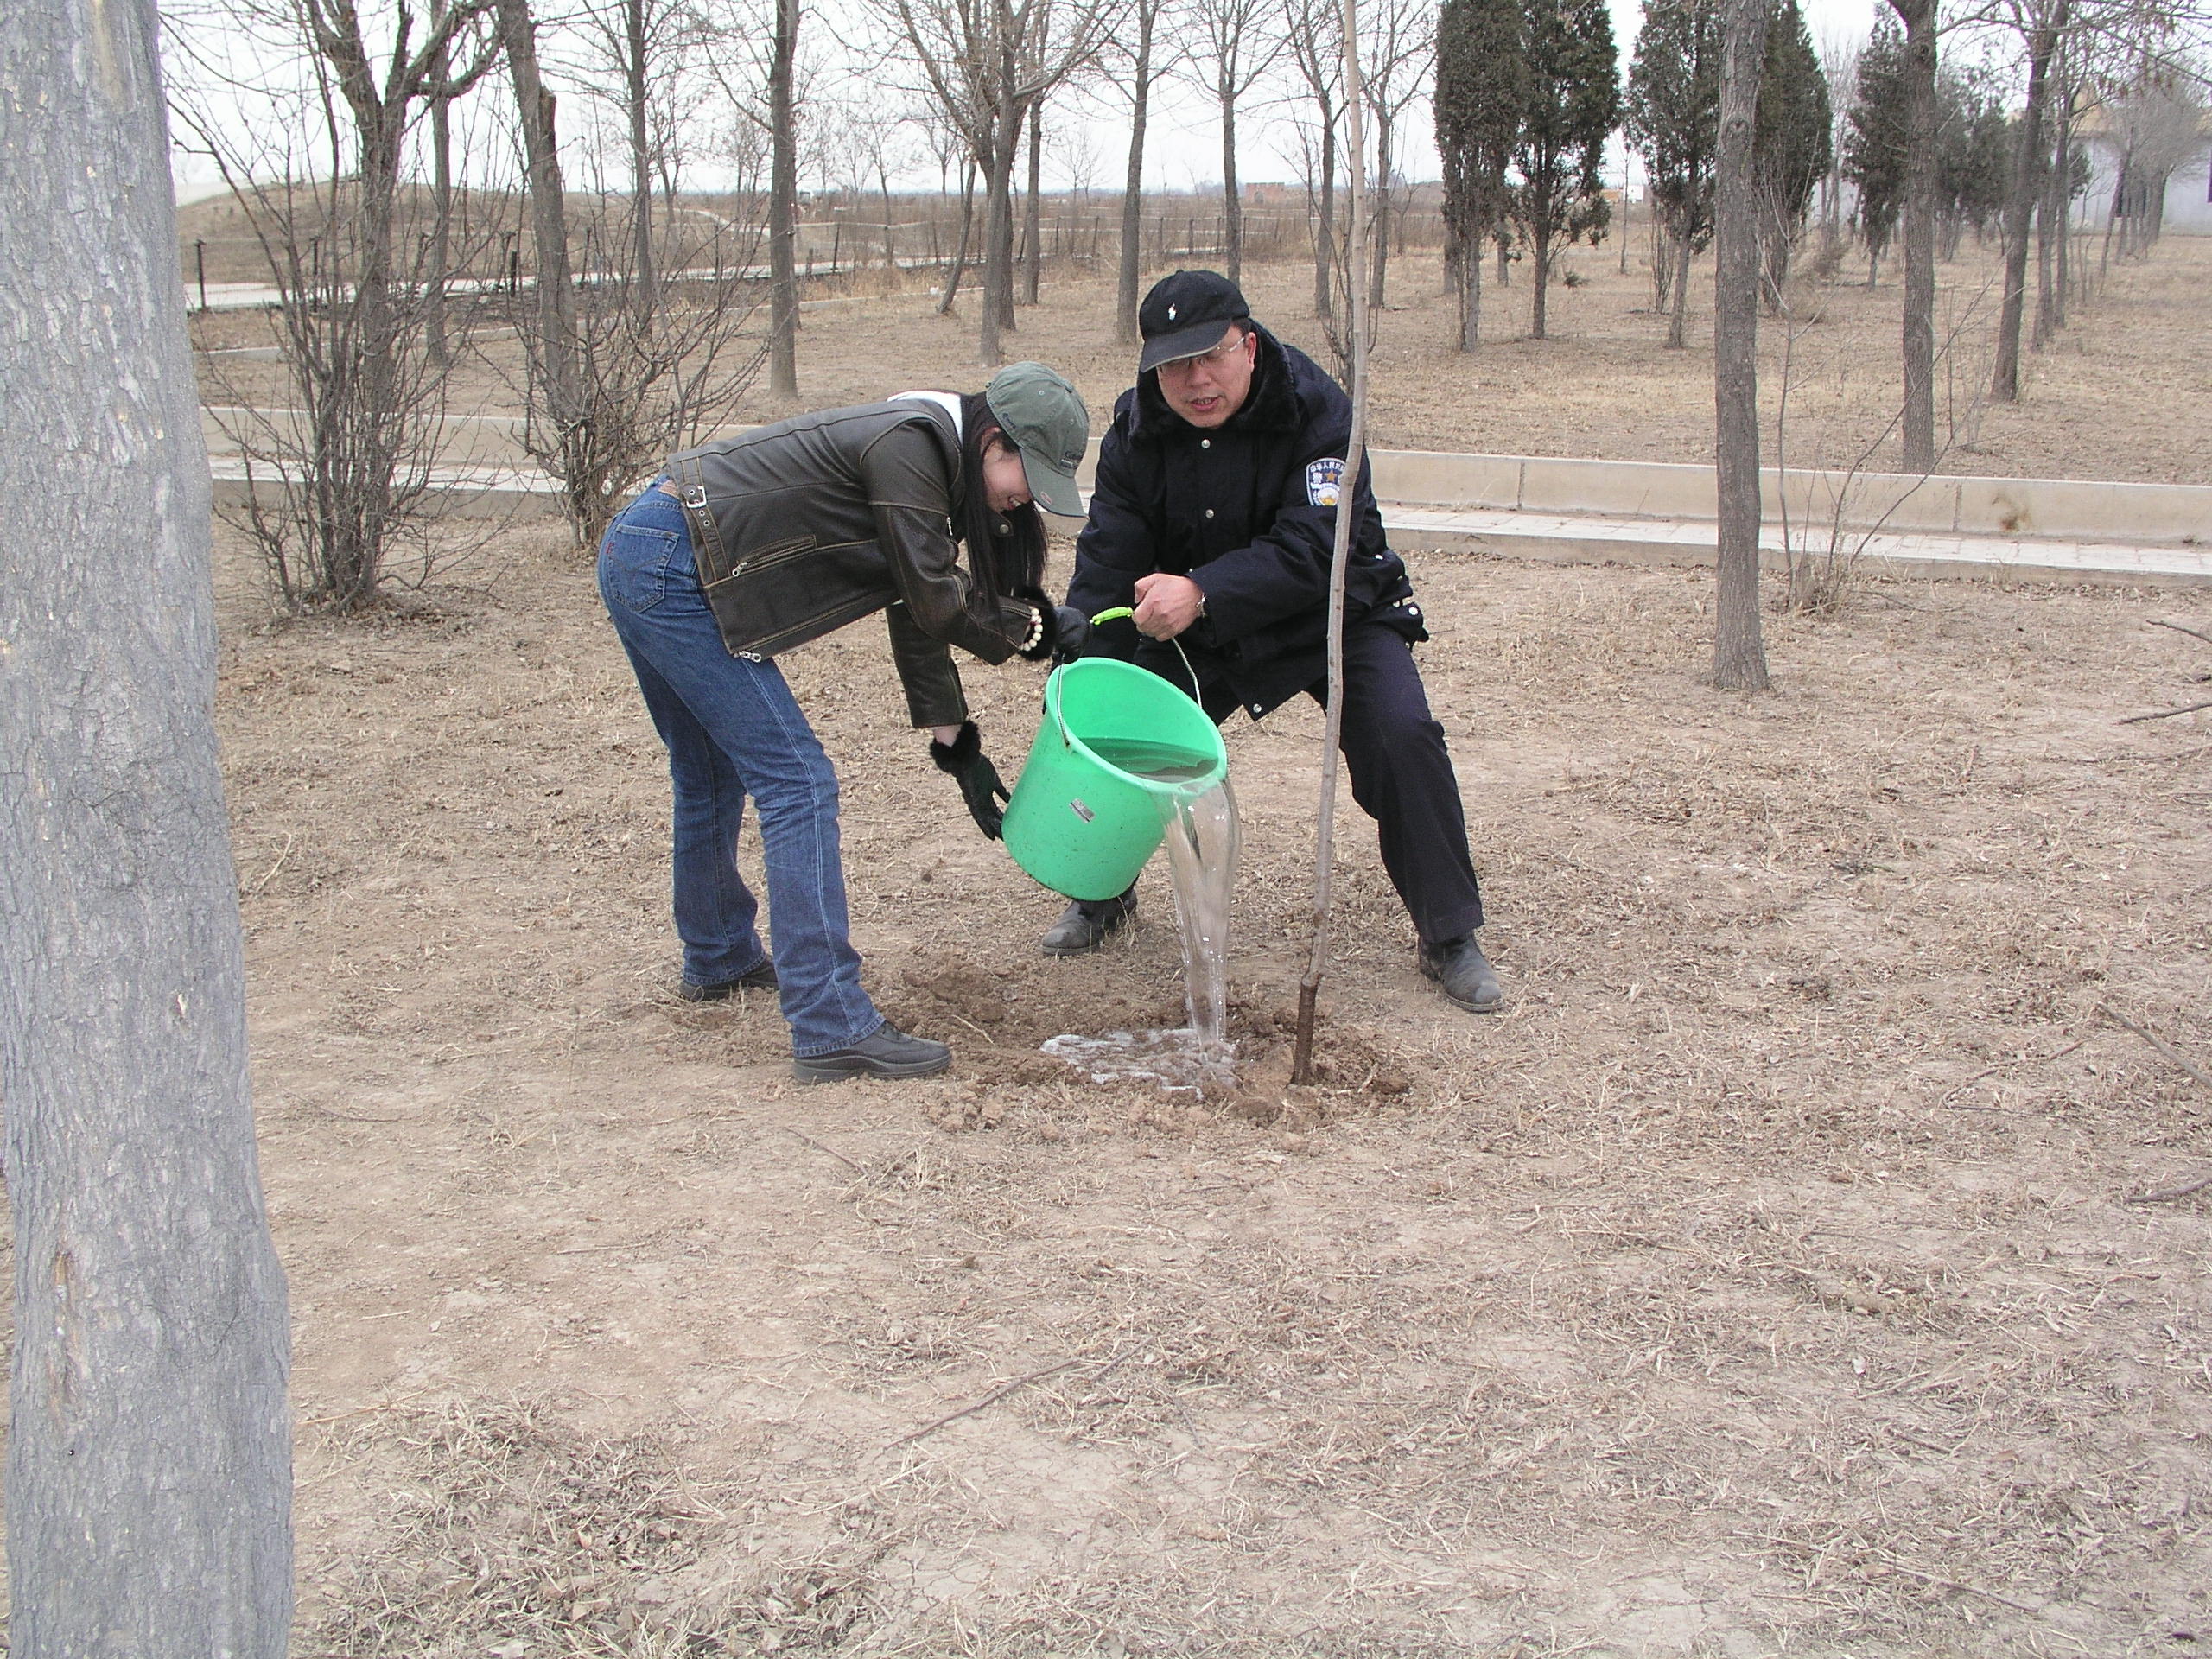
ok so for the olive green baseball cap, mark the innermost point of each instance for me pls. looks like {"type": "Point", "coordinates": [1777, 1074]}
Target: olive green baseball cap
{"type": "Point", "coordinates": [1043, 416]}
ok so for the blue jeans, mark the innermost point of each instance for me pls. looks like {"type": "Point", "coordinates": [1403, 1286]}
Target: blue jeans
{"type": "Point", "coordinates": [733, 729]}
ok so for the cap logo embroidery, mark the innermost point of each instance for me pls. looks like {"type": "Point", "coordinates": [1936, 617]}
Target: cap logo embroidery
{"type": "Point", "coordinates": [1171, 314]}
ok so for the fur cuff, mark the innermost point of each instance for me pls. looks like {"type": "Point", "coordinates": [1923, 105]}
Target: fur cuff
{"type": "Point", "coordinates": [1048, 618]}
{"type": "Point", "coordinates": [951, 757]}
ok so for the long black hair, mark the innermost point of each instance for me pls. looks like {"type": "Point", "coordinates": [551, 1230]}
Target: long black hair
{"type": "Point", "coordinates": [1006, 550]}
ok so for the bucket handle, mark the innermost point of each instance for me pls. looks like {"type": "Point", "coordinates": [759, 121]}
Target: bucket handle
{"type": "Point", "coordinates": [1121, 611]}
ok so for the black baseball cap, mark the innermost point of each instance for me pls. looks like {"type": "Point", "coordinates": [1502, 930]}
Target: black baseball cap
{"type": "Point", "coordinates": [1187, 313]}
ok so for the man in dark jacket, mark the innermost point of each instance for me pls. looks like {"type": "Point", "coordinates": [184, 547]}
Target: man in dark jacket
{"type": "Point", "coordinates": [1214, 514]}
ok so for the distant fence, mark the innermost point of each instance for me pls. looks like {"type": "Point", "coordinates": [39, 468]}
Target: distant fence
{"type": "Point", "coordinates": [700, 240]}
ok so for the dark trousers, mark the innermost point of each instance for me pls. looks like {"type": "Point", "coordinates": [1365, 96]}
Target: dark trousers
{"type": "Point", "coordinates": [1401, 773]}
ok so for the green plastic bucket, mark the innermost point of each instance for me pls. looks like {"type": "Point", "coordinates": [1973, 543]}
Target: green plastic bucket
{"type": "Point", "coordinates": [1080, 821]}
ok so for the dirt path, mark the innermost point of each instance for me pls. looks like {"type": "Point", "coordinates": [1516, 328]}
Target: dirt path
{"type": "Point", "coordinates": [1760, 1281]}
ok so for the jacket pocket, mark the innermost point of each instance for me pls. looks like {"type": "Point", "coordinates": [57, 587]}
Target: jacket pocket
{"type": "Point", "coordinates": [775, 553]}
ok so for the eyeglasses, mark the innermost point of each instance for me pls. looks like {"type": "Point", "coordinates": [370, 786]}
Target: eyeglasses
{"type": "Point", "coordinates": [1214, 358]}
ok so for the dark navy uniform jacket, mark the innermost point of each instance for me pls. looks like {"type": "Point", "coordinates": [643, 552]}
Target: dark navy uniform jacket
{"type": "Point", "coordinates": [1248, 511]}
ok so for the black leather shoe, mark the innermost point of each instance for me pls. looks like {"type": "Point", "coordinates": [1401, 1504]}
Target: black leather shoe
{"type": "Point", "coordinates": [1087, 923]}
{"type": "Point", "coordinates": [761, 977]}
{"type": "Point", "coordinates": [1464, 974]}
{"type": "Point", "coordinates": [890, 1053]}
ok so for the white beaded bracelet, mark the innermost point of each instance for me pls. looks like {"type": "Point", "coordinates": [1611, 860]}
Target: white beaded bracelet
{"type": "Point", "coordinates": [1036, 636]}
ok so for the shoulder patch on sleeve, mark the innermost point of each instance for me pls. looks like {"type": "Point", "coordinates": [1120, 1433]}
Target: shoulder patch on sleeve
{"type": "Point", "coordinates": [1325, 481]}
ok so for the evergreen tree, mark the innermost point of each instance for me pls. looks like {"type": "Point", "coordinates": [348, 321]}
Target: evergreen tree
{"type": "Point", "coordinates": [1874, 154]}
{"type": "Point", "coordinates": [1673, 117]}
{"type": "Point", "coordinates": [1974, 156]}
{"type": "Point", "coordinates": [1791, 148]}
{"type": "Point", "coordinates": [1481, 94]}
{"type": "Point", "coordinates": [1574, 104]}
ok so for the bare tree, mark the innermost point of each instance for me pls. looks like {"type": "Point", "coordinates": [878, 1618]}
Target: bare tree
{"type": "Point", "coordinates": [149, 1477]}
{"type": "Point", "coordinates": [1234, 49]}
{"type": "Point", "coordinates": [1309, 987]}
{"type": "Point", "coordinates": [1313, 41]}
{"type": "Point", "coordinates": [2157, 126]}
{"type": "Point", "coordinates": [766, 87]}
{"type": "Point", "coordinates": [1921, 24]}
{"type": "Point", "coordinates": [1149, 62]}
{"type": "Point", "coordinates": [339, 481]}
{"type": "Point", "coordinates": [1738, 652]}
{"type": "Point", "coordinates": [1400, 52]}
{"type": "Point", "coordinates": [2043, 24]}
{"type": "Point", "coordinates": [983, 65]}
{"type": "Point", "coordinates": [1840, 66]}
{"type": "Point", "coordinates": [629, 366]}
{"type": "Point", "coordinates": [1033, 245]}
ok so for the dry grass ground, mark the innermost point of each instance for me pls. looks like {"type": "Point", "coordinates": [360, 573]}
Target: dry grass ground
{"type": "Point", "coordinates": [1763, 1280]}
{"type": "Point", "coordinates": [2120, 394]}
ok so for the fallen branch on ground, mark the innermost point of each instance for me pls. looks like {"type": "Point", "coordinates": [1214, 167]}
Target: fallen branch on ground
{"type": "Point", "coordinates": [2159, 1042]}
{"type": "Point", "coordinates": [2177, 628]}
{"type": "Point", "coordinates": [2168, 1194]}
{"type": "Point", "coordinates": [2164, 713]}
{"type": "Point", "coordinates": [997, 1394]}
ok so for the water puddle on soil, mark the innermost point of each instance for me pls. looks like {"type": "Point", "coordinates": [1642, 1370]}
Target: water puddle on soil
{"type": "Point", "coordinates": [1202, 845]}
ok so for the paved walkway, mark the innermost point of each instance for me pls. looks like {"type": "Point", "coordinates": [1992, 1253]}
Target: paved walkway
{"type": "Point", "coordinates": [1583, 538]}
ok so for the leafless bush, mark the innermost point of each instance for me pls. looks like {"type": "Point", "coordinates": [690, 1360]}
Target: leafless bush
{"type": "Point", "coordinates": [338, 481]}
{"type": "Point", "coordinates": [643, 370]}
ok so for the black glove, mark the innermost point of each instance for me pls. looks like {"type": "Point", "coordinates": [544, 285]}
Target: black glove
{"type": "Point", "coordinates": [980, 786]}
{"type": "Point", "coordinates": [1072, 637]}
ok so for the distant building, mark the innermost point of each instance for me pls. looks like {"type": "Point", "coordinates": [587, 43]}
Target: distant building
{"type": "Point", "coordinates": [2187, 204]}
{"type": "Point", "coordinates": [1272, 195]}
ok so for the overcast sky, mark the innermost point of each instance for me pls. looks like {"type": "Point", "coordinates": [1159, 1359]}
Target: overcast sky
{"type": "Point", "coordinates": [1184, 143]}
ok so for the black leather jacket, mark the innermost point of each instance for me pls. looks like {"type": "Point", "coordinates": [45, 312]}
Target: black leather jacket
{"type": "Point", "coordinates": [1247, 510]}
{"type": "Point", "coordinates": [801, 527]}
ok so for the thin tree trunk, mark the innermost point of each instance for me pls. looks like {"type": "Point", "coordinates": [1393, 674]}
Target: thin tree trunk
{"type": "Point", "coordinates": [2060, 201]}
{"type": "Point", "coordinates": [1232, 209]}
{"type": "Point", "coordinates": [1921, 158]}
{"type": "Point", "coordinates": [2026, 184]}
{"type": "Point", "coordinates": [1032, 233]}
{"type": "Point", "coordinates": [148, 1465]}
{"type": "Point", "coordinates": [1738, 652]}
{"type": "Point", "coordinates": [641, 159]}
{"type": "Point", "coordinates": [1678, 322]}
{"type": "Point", "coordinates": [1309, 989]}
{"type": "Point", "coordinates": [1325, 225]}
{"type": "Point", "coordinates": [1471, 294]}
{"type": "Point", "coordinates": [967, 230]}
{"type": "Point", "coordinates": [1132, 250]}
{"type": "Point", "coordinates": [1540, 246]}
{"type": "Point", "coordinates": [998, 224]}
{"type": "Point", "coordinates": [554, 299]}
{"type": "Point", "coordinates": [434, 282]}
{"type": "Point", "coordinates": [783, 205]}
{"type": "Point", "coordinates": [1628, 219]}
{"type": "Point", "coordinates": [1378, 285]}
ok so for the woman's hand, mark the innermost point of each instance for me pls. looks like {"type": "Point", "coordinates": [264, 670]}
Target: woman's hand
{"type": "Point", "coordinates": [980, 785]}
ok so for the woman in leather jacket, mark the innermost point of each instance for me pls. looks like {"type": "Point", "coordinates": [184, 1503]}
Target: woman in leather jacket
{"type": "Point", "coordinates": [752, 544]}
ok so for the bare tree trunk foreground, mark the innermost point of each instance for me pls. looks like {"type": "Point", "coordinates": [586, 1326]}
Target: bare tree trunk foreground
{"type": "Point", "coordinates": [1309, 987]}
{"type": "Point", "coordinates": [149, 1475]}
{"type": "Point", "coordinates": [1738, 652]}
